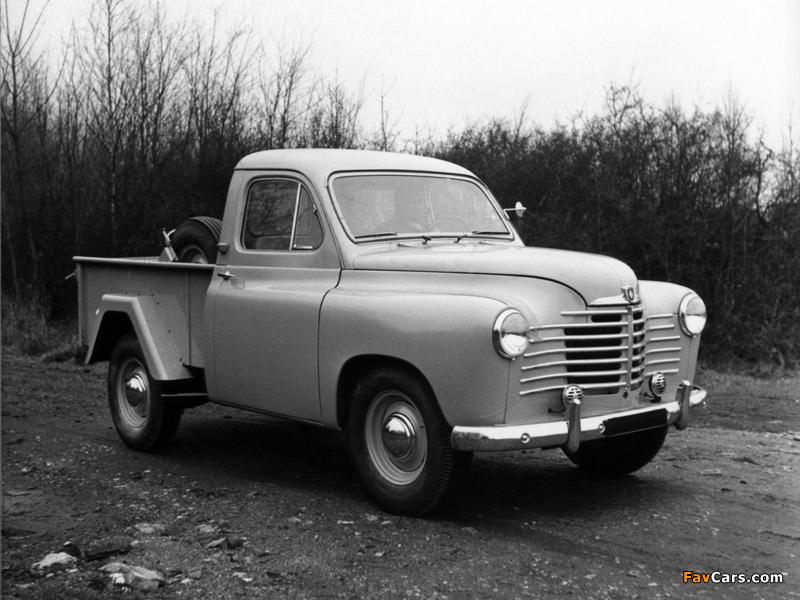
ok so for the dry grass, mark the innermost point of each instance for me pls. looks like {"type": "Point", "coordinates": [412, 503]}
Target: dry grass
{"type": "Point", "coordinates": [26, 330]}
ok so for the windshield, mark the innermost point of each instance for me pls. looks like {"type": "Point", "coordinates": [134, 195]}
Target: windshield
{"type": "Point", "coordinates": [415, 206]}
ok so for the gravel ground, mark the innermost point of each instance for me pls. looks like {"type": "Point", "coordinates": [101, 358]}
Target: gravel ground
{"type": "Point", "coordinates": [244, 506]}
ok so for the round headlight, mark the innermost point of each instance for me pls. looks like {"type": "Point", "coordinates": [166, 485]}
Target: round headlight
{"type": "Point", "coordinates": [692, 314]}
{"type": "Point", "coordinates": [510, 333]}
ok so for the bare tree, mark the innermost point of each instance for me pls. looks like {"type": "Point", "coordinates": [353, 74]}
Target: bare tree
{"type": "Point", "coordinates": [109, 66]}
{"type": "Point", "coordinates": [25, 103]}
{"type": "Point", "coordinates": [70, 133]}
{"type": "Point", "coordinates": [385, 138]}
{"type": "Point", "coordinates": [159, 53]}
{"type": "Point", "coordinates": [283, 88]}
{"type": "Point", "coordinates": [334, 116]}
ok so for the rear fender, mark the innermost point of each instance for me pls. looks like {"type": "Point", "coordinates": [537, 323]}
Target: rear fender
{"type": "Point", "coordinates": [147, 320]}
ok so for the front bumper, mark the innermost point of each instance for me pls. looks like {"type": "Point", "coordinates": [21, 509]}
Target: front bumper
{"type": "Point", "coordinates": [574, 429]}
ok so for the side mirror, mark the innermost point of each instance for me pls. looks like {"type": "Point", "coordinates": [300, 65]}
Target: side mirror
{"type": "Point", "coordinates": [518, 209]}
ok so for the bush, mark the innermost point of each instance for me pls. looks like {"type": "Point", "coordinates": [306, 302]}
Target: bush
{"type": "Point", "coordinates": [690, 199]}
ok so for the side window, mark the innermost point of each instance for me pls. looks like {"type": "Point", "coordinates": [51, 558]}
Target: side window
{"type": "Point", "coordinates": [308, 231]}
{"type": "Point", "coordinates": [269, 220]}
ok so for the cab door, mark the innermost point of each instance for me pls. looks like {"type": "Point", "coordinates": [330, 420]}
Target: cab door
{"type": "Point", "coordinates": [264, 304]}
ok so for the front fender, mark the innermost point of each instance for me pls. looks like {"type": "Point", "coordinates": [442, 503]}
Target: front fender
{"type": "Point", "coordinates": [447, 337]}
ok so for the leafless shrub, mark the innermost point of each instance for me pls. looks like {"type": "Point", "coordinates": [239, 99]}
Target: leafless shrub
{"type": "Point", "coordinates": [142, 122]}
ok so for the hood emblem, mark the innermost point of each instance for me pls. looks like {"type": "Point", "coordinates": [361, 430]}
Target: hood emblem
{"type": "Point", "coordinates": [628, 293]}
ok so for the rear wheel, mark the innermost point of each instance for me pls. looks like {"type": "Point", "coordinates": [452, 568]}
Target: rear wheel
{"type": "Point", "coordinates": [400, 442]}
{"type": "Point", "coordinates": [621, 454]}
{"type": "Point", "coordinates": [142, 418]}
{"type": "Point", "coordinates": [195, 240]}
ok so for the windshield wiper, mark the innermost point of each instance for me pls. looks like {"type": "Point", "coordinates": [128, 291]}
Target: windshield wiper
{"type": "Point", "coordinates": [489, 233]}
{"type": "Point", "coordinates": [381, 234]}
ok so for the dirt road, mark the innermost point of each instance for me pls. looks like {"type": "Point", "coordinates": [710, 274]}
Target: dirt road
{"type": "Point", "coordinates": [297, 524]}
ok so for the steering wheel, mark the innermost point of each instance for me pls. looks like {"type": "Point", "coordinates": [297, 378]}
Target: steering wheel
{"type": "Point", "coordinates": [464, 227]}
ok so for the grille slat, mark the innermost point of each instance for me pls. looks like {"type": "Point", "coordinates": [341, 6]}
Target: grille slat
{"type": "Point", "coordinates": [585, 313]}
{"type": "Point", "coordinates": [661, 350]}
{"type": "Point", "coordinates": [560, 363]}
{"type": "Point", "coordinates": [582, 325]}
{"type": "Point", "coordinates": [588, 386]}
{"type": "Point", "coordinates": [661, 316]}
{"type": "Point", "coordinates": [662, 362]}
{"type": "Point", "coordinates": [578, 338]}
{"type": "Point", "coordinates": [573, 375]}
{"type": "Point", "coordinates": [561, 350]}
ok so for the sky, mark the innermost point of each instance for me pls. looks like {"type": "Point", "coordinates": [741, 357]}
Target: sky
{"type": "Point", "coordinates": [446, 62]}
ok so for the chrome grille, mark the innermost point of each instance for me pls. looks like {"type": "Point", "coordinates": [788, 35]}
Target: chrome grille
{"type": "Point", "coordinates": [663, 345]}
{"type": "Point", "coordinates": [603, 350]}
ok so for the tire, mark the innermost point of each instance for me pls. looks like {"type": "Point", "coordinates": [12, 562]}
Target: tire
{"type": "Point", "coordinates": [619, 455]}
{"type": "Point", "coordinates": [410, 472]}
{"type": "Point", "coordinates": [195, 240]}
{"type": "Point", "coordinates": [143, 419]}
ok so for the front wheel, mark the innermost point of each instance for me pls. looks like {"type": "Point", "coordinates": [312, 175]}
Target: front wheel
{"type": "Point", "coordinates": [400, 442]}
{"type": "Point", "coordinates": [621, 454]}
{"type": "Point", "coordinates": [142, 418]}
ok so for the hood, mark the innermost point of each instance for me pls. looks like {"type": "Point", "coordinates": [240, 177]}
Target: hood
{"type": "Point", "coordinates": [591, 275]}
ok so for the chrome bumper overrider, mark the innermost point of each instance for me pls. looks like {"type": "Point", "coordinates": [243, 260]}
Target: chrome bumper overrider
{"type": "Point", "coordinates": [575, 429]}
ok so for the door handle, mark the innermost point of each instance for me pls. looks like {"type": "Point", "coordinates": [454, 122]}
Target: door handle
{"type": "Point", "coordinates": [226, 275]}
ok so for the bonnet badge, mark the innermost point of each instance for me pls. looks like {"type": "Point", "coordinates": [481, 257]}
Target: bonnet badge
{"type": "Point", "coordinates": [628, 293]}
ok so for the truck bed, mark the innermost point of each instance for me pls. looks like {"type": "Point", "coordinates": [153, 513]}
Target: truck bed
{"type": "Point", "coordinates": [178, 289]}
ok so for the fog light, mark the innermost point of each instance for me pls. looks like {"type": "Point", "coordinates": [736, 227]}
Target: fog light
{"type": "Point", "coordinates": [572, 394]}
{"type": "Point", "coordinates": [658, 384]}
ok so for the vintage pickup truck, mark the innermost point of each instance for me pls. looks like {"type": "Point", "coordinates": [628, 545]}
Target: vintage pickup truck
{"type": "Point", "coordinates": [391, 296]}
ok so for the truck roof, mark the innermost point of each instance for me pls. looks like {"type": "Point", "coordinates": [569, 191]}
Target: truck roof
{"type": "Point", "coordinates": [320, 163]}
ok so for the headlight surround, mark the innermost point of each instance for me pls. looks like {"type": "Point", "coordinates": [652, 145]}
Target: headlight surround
{"type": "Point", "coordinates": [510, 333]}
{"type": "Point", "coordinates": [692, 314]}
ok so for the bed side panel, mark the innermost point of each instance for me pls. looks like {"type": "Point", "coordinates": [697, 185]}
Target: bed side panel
{"type": "Point", "coordinates": [178, 289]}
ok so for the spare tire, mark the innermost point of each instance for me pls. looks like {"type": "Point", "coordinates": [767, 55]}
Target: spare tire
{"type": "Point", "coordinates": [195, 240]}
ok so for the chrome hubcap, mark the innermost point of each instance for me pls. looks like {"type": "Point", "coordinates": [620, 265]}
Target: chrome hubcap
{"type": "Point", "coordinates": [133, 394]}
{"type": "Point", "coordinates": [399, 436]}
{"type": "Point", "coordinates": [136, 391]}
{"type": "Point", "coordinates": [396, 439]}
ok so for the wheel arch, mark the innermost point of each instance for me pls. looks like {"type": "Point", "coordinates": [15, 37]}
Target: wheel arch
{"type": "Point", "coordinates": [113, 327]}
{"type": "Point", "coordinates": [358, 366]}
{"type": "Point", "coordinates": [140, 314]}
